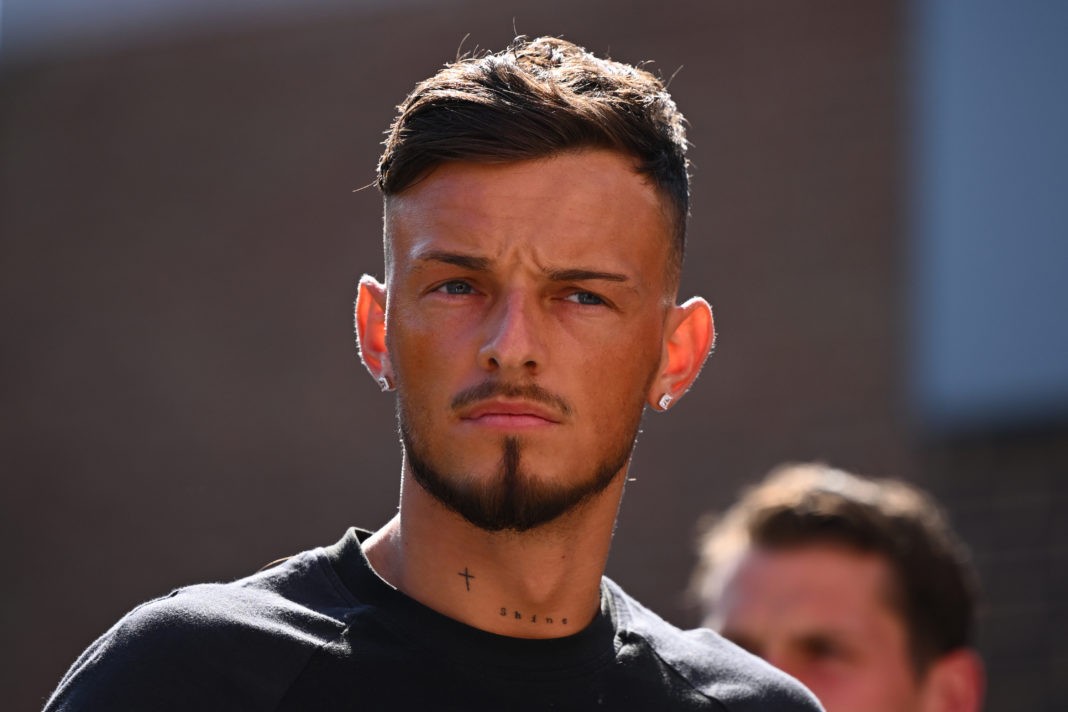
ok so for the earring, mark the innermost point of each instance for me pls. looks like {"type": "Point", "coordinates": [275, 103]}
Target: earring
{"type": "Point", "coordinates": [665, 401]}
{"type": "Point", "coordinates": [385, 384]}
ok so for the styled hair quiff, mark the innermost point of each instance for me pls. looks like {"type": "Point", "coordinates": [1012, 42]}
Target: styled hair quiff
{"type": "Point", "coordinates": [933, 587]}
{"type": "Point", "coordinates": [537, 98]}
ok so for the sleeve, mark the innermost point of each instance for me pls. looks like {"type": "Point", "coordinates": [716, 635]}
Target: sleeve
{"type": "Point", "coordinates": [204, 648]}
{"type": "Point", "coordinates": [143, 662]}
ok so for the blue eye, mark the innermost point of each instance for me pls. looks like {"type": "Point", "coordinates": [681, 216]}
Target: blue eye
{"type": "Point", "coordinates": [586, 299]}
{"type": "Point", "coordinates": [456, 286]}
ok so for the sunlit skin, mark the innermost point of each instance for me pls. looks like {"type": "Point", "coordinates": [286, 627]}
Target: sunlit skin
{"type": "Point", "coordinates": [823, 614]}
{"type": "Point", "coordinates": [552, 278]}
{"type": "Point", "coordinates": [545, 272]}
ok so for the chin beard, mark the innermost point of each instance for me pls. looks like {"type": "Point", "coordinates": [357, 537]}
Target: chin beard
{"type": "Point", "coordinates": [510, 499]}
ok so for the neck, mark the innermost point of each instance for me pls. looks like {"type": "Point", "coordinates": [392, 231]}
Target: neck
{"type": "Point", "coordinates": [542, 583]}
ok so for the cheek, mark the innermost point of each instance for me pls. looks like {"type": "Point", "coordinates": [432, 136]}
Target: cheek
{"type": "Point", "coordinates": [614, 388]}
{"type": "Point", "coordinates": [421, 351]}
{"type": "Point", "coordinates": [874, 686]}
{"type": "Point", "coordinates": [636, 360]}
{"type": "Point", "coordinates": [402, 356]}
{"type": "Point", "coordinates": [840, 690]}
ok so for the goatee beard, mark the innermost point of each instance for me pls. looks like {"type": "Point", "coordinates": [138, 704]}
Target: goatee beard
{"type": "Point", "coordinates": [511, 499]}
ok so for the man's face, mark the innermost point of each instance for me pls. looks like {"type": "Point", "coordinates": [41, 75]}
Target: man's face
{"type": "Point", "coordinates": [525, 323]}
{"type": "Point", "coordinates": [821, 613]}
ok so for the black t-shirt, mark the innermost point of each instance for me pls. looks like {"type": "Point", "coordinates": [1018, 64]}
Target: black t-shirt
{"type": "Point", "coordinates": [323, 632]}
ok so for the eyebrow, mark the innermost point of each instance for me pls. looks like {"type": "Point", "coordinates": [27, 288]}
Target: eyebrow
{"type": "Point", "coordinates": [459, 259]}
{"type": "Point", "coordinates": [581, 275]}
{"type": "Point", "coordinates": [482, 264]}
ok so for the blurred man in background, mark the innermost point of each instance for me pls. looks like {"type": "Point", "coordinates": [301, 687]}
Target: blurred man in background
{"type": "Point", "coordinates": [856, 587]}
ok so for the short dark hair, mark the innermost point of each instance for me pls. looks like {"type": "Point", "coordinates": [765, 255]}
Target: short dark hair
{"type": "Point", "coordinates": [535, 99]}
{"type": "Point", "coordinates": [934, 587]}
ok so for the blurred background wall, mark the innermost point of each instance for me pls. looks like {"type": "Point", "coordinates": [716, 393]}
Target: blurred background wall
{"type": "Point", "coordinates": [182, 234]}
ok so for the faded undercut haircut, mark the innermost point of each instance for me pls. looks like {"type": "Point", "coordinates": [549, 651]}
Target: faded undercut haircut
{"type": "Point", "coordinates": [535, 99]}
{"type": "Point", "coordinates": [934, 587]}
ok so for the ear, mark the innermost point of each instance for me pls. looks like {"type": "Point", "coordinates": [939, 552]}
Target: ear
{"type": "Point", "coordinates": [955, 683]}
{"type": "Point", "coordinates": [371, 328]}
{"type": "Point", "coordinates": [688, 337]}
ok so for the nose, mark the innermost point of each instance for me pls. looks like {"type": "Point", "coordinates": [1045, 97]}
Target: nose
{"type": "Point", "coordinates": [512, 336]}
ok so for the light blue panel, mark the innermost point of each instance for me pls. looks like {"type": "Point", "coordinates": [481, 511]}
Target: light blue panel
{"type": "Point", "coordinates": [989, 299]}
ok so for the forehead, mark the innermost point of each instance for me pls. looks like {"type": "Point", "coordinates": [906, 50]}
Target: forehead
{"type": "Point", "coordinates": [814, 586]}
{"type": "Point", "coordinates": [572, 204]}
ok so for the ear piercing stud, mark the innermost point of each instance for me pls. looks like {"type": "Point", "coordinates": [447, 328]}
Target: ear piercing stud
{"type": "Point", "coordinates": [665, 401]}
{"type": "Point", "coordinates": [385, 384]}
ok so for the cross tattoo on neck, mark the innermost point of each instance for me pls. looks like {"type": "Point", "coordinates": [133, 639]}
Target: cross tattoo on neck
{"type": "Point", "coordinates": [467, 577]}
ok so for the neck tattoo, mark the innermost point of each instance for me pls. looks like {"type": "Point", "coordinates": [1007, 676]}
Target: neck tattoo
{"type": "Point", "coordinates": [467, 577]}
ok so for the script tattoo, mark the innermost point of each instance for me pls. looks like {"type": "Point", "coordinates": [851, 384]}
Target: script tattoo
{"type": "Point", "coordinates": [518, 615]}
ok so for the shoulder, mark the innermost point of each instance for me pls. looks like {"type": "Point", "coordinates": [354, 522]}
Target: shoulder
{"type": "Point", "coordinates": [731, 675]}
{"type": "Point", "coordinates": [293, 600]}
{"type": "Point", "coordinates": [713, 665]}
{"type": "Point", "coordinates": [209, 646]}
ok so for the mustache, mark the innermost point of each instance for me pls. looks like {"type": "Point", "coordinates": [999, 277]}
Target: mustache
{"type": "Point", "coordinates": [529, 391]}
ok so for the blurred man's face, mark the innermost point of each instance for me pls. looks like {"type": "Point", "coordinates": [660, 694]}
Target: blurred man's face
{"type": "Point", "coordinates": [821, 613]}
